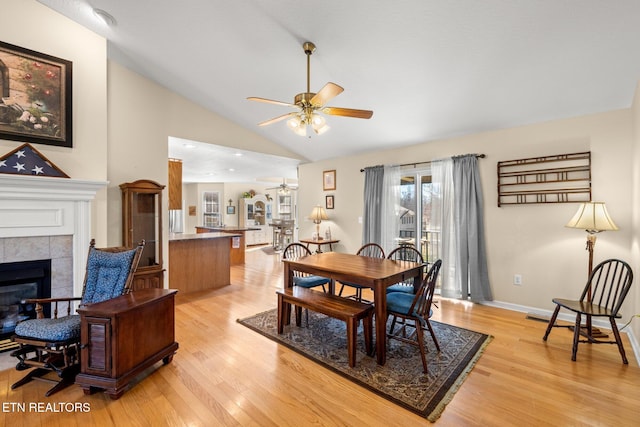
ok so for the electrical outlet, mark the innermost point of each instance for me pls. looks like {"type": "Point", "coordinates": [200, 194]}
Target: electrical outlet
{"type": "Point", "coordinates": [517, 279]}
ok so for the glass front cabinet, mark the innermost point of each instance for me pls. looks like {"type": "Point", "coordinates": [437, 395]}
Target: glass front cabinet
{"type": "Point", "coordinates": [256, 215]}
{"type": "Point", "coordinates": [142, 220]}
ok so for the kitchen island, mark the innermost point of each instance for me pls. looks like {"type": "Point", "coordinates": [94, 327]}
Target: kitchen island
{"type": "Point", "coordinates": [238, 246]}
{"type": "Point", "coordinates": [199, 261]}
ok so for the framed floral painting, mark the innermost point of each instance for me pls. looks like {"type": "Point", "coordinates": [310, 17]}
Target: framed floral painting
{"type": "Point", "coordinates": [35, 97]}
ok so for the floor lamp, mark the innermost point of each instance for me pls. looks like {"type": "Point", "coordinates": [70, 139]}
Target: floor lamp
{"type": "Point", "coordinates": [593, 218]}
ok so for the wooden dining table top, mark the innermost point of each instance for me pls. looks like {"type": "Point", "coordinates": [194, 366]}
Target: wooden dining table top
{"type": "Point", "coordinates": [376, 273]}
{"type": "Point", "coordinates": [363, 270]}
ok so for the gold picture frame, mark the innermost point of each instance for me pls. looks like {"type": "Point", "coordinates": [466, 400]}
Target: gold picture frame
{"type": "Point", "coordinates": [329, 180]}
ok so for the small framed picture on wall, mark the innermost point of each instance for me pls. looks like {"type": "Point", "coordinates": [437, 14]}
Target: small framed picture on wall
{"type": "Point", "coordinates": [231, 210]}
{"type": "Point", "coordinates": [329, 202]}
{"type": "Point", "coordinates": [329, 180]}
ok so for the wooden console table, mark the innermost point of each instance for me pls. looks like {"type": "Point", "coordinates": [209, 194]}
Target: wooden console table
{"type": "Point", "coordinates": [320, 242]}
{"type": "Point", "coordinates": [123, 336]}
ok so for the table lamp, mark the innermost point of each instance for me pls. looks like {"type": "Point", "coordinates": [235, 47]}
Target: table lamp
{"type": "Point", "coordinates": [317, 215]}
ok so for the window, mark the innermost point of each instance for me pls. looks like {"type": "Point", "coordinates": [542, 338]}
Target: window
{"type": "Point", "coordinates": [211, 209]}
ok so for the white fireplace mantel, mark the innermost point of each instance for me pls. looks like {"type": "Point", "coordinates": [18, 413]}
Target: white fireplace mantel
{"type": "Point", "coordinates": [33, 206]}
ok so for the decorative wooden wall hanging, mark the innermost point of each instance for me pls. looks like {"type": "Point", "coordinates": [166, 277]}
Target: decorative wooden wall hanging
{"type": "Point", "coordinates": [175, 184]}
{"type": "Point", "coordinates": [564, 178]}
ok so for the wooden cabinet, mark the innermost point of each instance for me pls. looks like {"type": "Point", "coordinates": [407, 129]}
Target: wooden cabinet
{"type": "Point", "coordinates": [142, 220]}
{"type": "Point", "coordinates": [123, 336]}
{"type": "Point", "coordinates": [256, 212]}
{"type": "Point", "coordinates": [199, 261]}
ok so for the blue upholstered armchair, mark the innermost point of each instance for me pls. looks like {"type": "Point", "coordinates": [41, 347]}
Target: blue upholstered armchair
{"type": "Point", "coordinates": [52, 345]}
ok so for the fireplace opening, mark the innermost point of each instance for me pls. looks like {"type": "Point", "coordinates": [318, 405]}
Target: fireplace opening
{"type": "Point", "coordinates": [19, 281]}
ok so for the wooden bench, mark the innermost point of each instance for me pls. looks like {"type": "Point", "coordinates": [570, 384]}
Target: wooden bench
{"type": "Point", "coordinates": [349, 311]}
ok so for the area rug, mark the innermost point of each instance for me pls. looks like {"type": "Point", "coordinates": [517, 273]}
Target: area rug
{"type": "Point", "coordinates": [401, 380]}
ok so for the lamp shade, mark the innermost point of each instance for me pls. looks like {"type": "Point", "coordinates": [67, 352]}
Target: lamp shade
{"type": "Point", "coordinates": [318, 214]}
{"type": "Point", "coordinates": [593, 217]}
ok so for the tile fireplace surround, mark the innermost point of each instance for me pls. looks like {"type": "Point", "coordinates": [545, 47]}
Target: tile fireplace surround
{"type": "Point", "coordinates": [48, 218]}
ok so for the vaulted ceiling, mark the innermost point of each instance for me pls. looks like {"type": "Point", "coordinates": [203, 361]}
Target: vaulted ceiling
{"type": "Point", "coordinates": [429, 69]}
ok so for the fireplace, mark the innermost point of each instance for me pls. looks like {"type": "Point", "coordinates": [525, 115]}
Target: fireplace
{"type": "Point", "coordinates": [48, 218]}
{"type": "Point", "coordinates": [19, 281]}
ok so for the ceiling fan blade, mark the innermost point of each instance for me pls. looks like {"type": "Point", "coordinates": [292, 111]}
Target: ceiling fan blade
{"type": "Point", "coordinates": [348, 112]}
{"type": "Point", "coordinates": [326, 94]}
{"type": "Point", "coordinates": [271, 101]}
{"type": "Point", "coordinates": [277, 119]}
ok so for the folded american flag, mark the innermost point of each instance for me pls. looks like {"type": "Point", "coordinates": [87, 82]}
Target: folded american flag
{"type": "Point", "coordinates": [26, 160]}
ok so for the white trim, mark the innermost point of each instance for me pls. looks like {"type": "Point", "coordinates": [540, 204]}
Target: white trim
{"type": "Point", "coordinates": [566, 316]}
{"type": "Point", "coordinates": [45, 206]}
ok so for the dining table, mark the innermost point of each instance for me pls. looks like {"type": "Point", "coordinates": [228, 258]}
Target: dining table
{"type": "Point", "coordinates": [374, 273]}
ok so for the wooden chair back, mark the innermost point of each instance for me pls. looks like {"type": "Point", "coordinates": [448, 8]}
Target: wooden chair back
{"type": "Point", "coordinates": [609, 284]}
{"type": "Point", "coordinates": [424, 296]}
{"type": "Point", "coordinates": [295, 251]}
{"type": "Point", "coordinates": [406, 253]}
{"type": "Point", "coordinates": [371, 250]}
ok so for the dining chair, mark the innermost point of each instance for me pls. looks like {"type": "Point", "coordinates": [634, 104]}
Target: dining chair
{"type": "Point", "coordinates": [53, 344]}
{"type": "Point", "coordinates": [603, 295]}
{"type": "Point", "coordinates": [414, 311]}
{"type": "Point", "coordinates": [405, 253]}
{"type": "Point", "coordinates": [371, 250]}
{"type": "Point", "coordinates": [295, 251]}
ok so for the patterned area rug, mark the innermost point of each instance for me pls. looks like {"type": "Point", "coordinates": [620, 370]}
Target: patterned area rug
{"type": "Point", "coordinates": [401, 379]}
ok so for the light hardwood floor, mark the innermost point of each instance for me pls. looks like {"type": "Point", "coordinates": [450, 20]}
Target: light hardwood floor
{"type": "Point", "coordinates": [226, 375]}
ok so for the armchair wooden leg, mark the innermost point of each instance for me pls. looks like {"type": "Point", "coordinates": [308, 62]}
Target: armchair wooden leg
{"type": "Point", "coordinates": [31, 375]}
{"type": "Point", "coordinates": [421, 346]}
{"type": "Point", "coordinates": [552, 322]}
{"type": "Point", "coordinates": [616, 334]}
{"type": "Point", "coordinates": [576, 337]}
{"type": "Point", "coordinates": [433, 335]}
{"type": "Point", "coordinates": [68, 378]}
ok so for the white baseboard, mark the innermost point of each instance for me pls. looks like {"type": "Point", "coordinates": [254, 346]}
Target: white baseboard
{"type": "Point", "coordinates": [568, 317]}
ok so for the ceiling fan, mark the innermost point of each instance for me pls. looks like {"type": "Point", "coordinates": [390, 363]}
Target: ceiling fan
{"type": "Point", "coordinates": [309, 105]}
{"type": "Point", "coordinates": [284, 187]}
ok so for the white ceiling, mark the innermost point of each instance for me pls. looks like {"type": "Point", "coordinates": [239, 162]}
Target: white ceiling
{"type": "Point", "coordinates": [202, 162]}
{"type": "Point", "coordinates": [429, 69]}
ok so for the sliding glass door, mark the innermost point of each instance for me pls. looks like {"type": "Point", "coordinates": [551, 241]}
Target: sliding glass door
{"type": "Point", "coordinates": [415, 213]}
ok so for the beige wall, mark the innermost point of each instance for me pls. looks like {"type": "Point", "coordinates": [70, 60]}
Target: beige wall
{"type": "Point", "coordinates": [142, 116]}
{"type": "Point", "coordinates": [29, 24]}
{"type": "Point", "coordinates": [635, 200]}
{"type": "Point", "coordinates": [530, 240]}
{"type": "Point", "coordinates": [193, 196]}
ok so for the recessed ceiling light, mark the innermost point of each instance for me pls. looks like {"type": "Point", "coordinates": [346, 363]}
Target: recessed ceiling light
{"type": "Point", "coordinates": [238, 154]}
{"type": "Point", "coordinates": [105, 17]}
{"type": "Point", "coordinates": [188, 145]}
{"type": "Point", "coordinates": [232, 170]}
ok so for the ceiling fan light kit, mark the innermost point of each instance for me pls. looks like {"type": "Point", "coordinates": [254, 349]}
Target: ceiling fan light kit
{"type": "Point", "coordinates": [310, 104]}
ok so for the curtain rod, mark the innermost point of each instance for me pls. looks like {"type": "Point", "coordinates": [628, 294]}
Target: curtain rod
{"type": "Point", "coordinates": [480, 156]}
